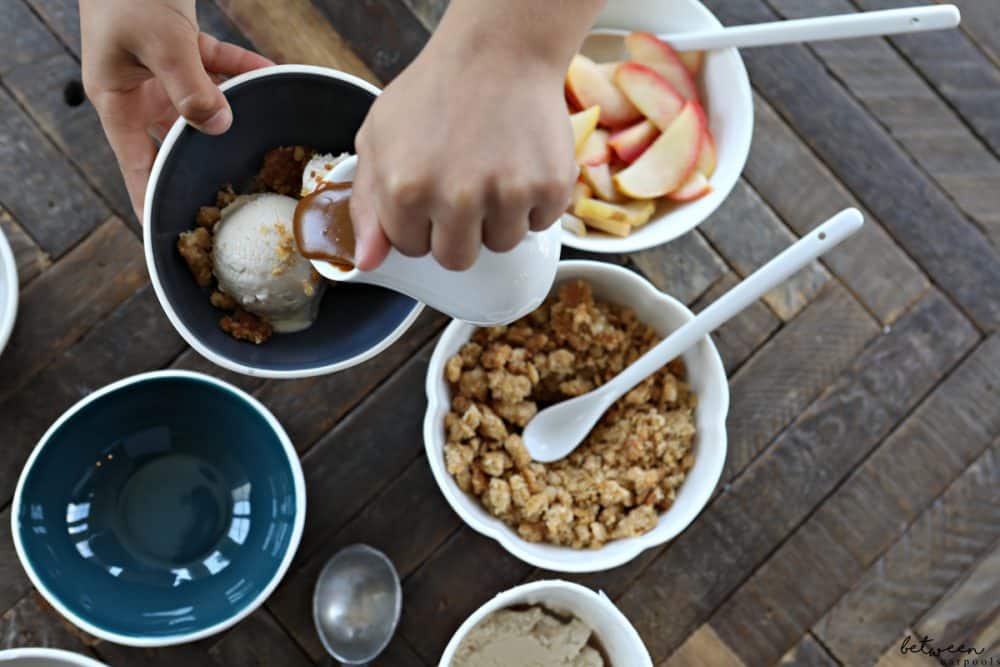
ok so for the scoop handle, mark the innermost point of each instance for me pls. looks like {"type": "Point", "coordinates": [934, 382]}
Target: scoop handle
{"type": "Point", "coordinates": [822, 239]}
{"type": "Point", "coordinates": [821, 28]}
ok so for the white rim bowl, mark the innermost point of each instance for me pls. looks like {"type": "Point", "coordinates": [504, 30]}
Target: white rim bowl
{"type": "Point", "coordinates": [706, 375]}
{"type": "Point", "coordinates": [8, 291]}
{"type": "Point", "coordinates": [613, 630]}
{"type": "Point", "coordinates": [52, 657]}
{"type": "Point", "coordinates": [187, 334]}
{"type": "Point", "coordinates": [726, 89]}
{"type": "Point", "coordinates": [293, 544]}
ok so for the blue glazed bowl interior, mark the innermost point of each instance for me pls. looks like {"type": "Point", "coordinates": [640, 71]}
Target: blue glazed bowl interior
{"type": "Point", "coordinates": [274, 110]}
{"type": "Point", "coordinates": [162, 508]}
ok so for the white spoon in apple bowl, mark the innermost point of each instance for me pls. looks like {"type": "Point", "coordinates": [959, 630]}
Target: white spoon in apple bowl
{"type": "Point", "coordinates": [557, 430]}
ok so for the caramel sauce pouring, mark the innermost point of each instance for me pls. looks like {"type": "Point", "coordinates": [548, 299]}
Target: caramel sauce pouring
{"type": "Point", "coordinates": [323, 228]}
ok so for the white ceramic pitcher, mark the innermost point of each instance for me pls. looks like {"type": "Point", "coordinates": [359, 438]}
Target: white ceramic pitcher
{"type": "Point", "coordinates": [497, 289]}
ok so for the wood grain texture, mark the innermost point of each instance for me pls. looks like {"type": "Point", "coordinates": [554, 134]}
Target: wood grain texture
{"type": "Point", "coordinates": [32, 622]}
{"type": "Point", "coordinates": [814, 567]}
{"type": "Point", "coordinates": [24, 38]}
{"type": "Point", "coordinates": [945, 540]}
{"type": "Point", "coordinates": [959, 72]}
{"type": "Point", "coordinates": [269, 26]}
{"type": "Point", "coordinates": [749, 234]}
{"type": "Point", "coordinates": [911, 110]}
{"type": "Point", "coordinates": [136, 337]}
{"type": "Point", "coordinates": [808, 653]}
{"type": "Point", "coordinates": [800, 188]}
{"type": "Point", "coordinates": [309, 408]}
{"type": "Point", "coordinates": [384, 33]}
{"type": "Point", "coordinates": [981, 22]}
{"type": "Point", "coordinates": [55, 310]}
{"type": "Point", "coordinates": [738, 338]}
{"type": "Point", "coordinates": [893, 657]}
{"type": "Point", "coordinates": [14, 583]}
{"type": "Point", "coordinates": [28, 257]}
{"type": "Point", "coordinates": [188, 655]}
{"type": "Point", "coordinates": [875, 168]}
{"type": "Point", "coordinates": [703, 648]}
{"type": "Point", "coordinates": [397, 654]}
{"type": "Point", "coordinates": [683, 268]}
{"type": "Point", "coordinates": [790, 370]}
{"type": "Point", "coordinates": [192, 361]}
{"type": "Point", "coordinates": [76, 130]}
{"type": "Point", "coordinates": [39, 187]}
{"type": "Point", "coordinates": [258, 640]}
{"type": "Point", "coordinates": [407, 521]}
{"type": "Point", "coordinates": [465, 572]}
{"type": "Point", "coordinates": [63, 18]}
{"type": "Point", "coordinates": [970, 613]}
{"type": "Point", "coordinates": [792, 476]}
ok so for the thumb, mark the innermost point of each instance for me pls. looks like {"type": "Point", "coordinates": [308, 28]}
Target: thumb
{"type": "Point", "coordinates": [189, 87]}
{"type": "Point", "coordinates": [372, 246]}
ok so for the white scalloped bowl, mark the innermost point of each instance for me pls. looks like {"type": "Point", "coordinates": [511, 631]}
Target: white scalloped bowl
{"type": "Point", "coordinates": [728, 99]}
{"type": "Point", "coordinates": [8, 291]}
{"type": "Point", "coordinates": [706, 375]}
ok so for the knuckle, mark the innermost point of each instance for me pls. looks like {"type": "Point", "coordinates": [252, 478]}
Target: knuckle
{"type": "Point", "coordinates": [407, 191]}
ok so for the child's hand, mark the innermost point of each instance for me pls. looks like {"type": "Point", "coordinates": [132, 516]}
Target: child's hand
{"type": "Point", "coordinates": [471, 144]}
{"type": "Point", "coordinates": [145, 63]}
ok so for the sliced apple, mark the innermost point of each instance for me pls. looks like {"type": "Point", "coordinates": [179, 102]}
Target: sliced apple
{"type": "Point", "coordinates": [650, 93]}
{"type": "Point", "coordinates": [583, 123]}
{"type": "Point", "coordinates": [629, 143]}
{"type": "Point", "coordinates": [640, 211]}
{"type": "Point", "coordinates": [598, 177]}
{"type": "Point", "coordinates": [608, 69]}
{"type": "Point", "coordinates": [693, 60]}
{"type": "Point", "coordinates": [580, 191]}
{"type": "Point", "coordinates": [609, 218]}
{"type": "Point", "coordinates": [707, 157]}
{"type": "Point", "coordinates": [574, 224]}
{"type": "Point", "coordinates": [647, 49]}
{"type": "Point", "coordinates": [595, 149]}
{"type": "Point", "coordinates": [694, 187]}
{"type": "Point", "coordinates": [590, 87]}
{"type": "Point", "coordinates": [669, 161]}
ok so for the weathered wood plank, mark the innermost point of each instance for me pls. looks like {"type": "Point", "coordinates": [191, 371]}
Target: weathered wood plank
{"type": "Point", "coordinates": [703, 648]}
{"type": "Point", "coordinates": [791, 369]}
{"type": "Point", "coordinates": [32, 622]}
{"type": "Point", "coordinates": [364, 453]}
{"type": "Point", "coordinates": [981, 22]}
{"type": "Point", "coordinates": [188, 655]}
{"type": "Point", "coordinates": [63, 18]}
{"type": "Point", "coordinates": [310, 407]}
{"type": "Point", "coordinates": [258, 640]}
{"type": "Point", "coordinates": [794, 475]}
{"type": "Point", "coordinates": [821, 561]}
{"type": "Point", "coordinates": [413, 501]}
{"type": "Point", "coordinates": [69, 298]}
{"type": "Point", "coordinates": [808, 653]}
{"type": "Point", "coordinates": [749, 234]}
{"type": "Point", "coordinates": [28, 257]}
{"type": "Point", "coordinates": [683, 268]}
{"type": "Point", "coordinates": [192, 361]}
{"type": "Point", "coordinates": [740, 337]}
{"type": "Point", "coordinates": [957, 70]}
{"type": "Point", "coordinates": [136, 337]}
{"type": "Point", "coordinates": [397, 654]}
{"type": "Point", "coordinates": [804, 193]}
{"type": "Point", "coordinates": [384, 33]}
{"type": "Point", "coordinates": [14, 582]}
{"type": "Point", "coordinates": [969, 614]}
{"type": "Point", "coordinates": [944, 541]}
{"type": "Point", "coordinates": [911, 110]}
{"type": "Point", "coordinates": [39, 187]}
{"type": "Point", "coordinates": [465, 572]}
{"type": "Point", "coordinates": [268, 25]}
{"type": "Point", "coordinates": [76, 130]}
{"type": "Point", "coordinates": [893, 657]}
{"type": "Point", "coordinates": [429, 12]}
{"type": "Point", "coordinates": [875, 168]}
{"type": "Point", "coordinates": [24, 37]}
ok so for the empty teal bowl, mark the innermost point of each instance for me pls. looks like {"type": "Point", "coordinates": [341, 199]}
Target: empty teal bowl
{"type": "Point", "coordinates": [160, 509]}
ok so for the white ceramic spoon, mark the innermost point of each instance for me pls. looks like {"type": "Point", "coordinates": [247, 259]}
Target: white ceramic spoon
{"type": "Point", "coordinates": [838, 26]}
{"type": "Point", "coordinates": [557, 430]}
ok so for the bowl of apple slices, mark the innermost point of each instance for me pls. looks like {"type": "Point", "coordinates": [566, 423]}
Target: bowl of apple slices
{"type": "Point", "coordinates": [661, 136]}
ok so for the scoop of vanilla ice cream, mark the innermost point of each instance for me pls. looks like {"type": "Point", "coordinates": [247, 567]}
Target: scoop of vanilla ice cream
{"type": "Point", "coordinates": [256, 261]}
{"type": "Point", "coordinates": [318, 168]}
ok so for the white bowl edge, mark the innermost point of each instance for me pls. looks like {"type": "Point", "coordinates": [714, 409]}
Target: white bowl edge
{"type": "Point", "coordinates": [9, 283]}
{"type": "Point", "coordinates": [59, 657]}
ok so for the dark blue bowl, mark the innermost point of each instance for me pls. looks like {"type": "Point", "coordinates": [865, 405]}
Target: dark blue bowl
{"type": "Point", "coordinates": [160, 509]}
{"type": "Point", "coordinates": [275, 106]}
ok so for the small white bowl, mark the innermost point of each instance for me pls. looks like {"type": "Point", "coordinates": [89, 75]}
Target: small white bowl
{"type": "Point", "coordinates": [45, 657]}
{"type": "Point", "coordinates": [8, 291]}
{"type": "Point", "coordinates": [726, 90]}
{"type": "Point", "coordinates": [705, 374]}
{"type": "Point", "coordinates": [613, 630]}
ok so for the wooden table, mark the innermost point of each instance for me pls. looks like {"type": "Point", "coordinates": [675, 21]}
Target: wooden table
{"type": "Point", "coordinates": [861, 497]}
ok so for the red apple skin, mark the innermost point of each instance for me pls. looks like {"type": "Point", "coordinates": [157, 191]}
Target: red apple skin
{"type": "Point", "coordinates": [695, 187]}
{"type": "Point", "coordinates": [668, 162]}
{"type": "Point", "coordinates": [630, 143]}
{"type": "Point", "coordinates": [648, 50]}
{"type": "Point", "coordinates": [650, 93]}
{"type": "Point", "coordinates": [589, 86]}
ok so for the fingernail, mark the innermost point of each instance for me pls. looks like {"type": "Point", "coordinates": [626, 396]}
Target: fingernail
{"type": "Point", "coordinates": [218, 123]}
